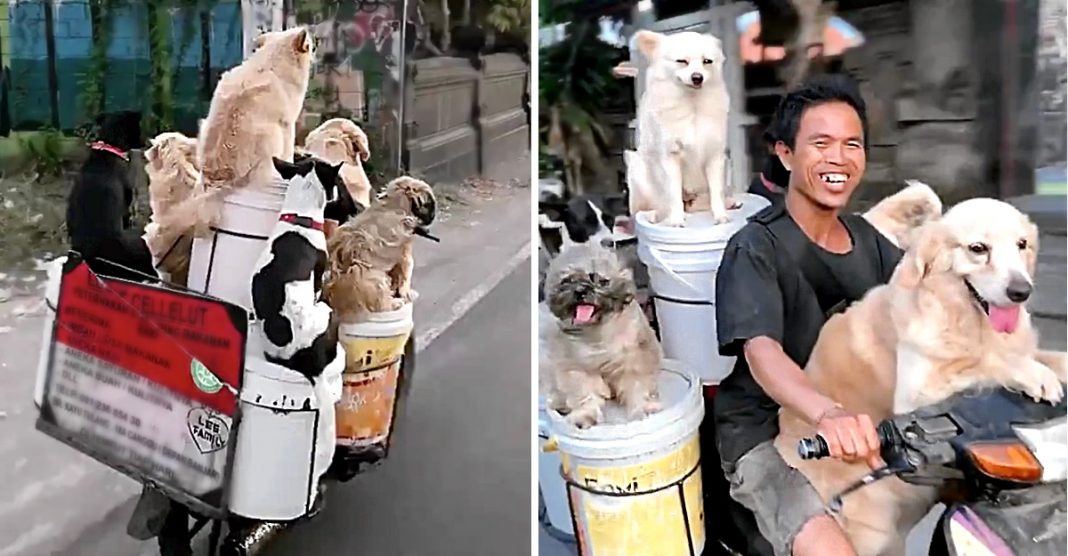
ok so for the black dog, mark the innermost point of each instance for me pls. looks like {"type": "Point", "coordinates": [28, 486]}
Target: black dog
{"type": "Point", "coordinates": [98, 208]}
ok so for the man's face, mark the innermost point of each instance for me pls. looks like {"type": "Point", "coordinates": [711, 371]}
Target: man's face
{"type": "Point", "coordinates": [828, 157]}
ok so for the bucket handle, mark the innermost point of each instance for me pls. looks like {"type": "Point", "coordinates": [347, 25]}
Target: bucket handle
{"type": "Point", "coordinates": [551, 445]}
{"type": "Point", "coordinates": [660, 263]}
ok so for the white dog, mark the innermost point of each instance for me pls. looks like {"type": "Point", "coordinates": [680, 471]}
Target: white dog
{"type": "Point", "coordinates": [682, 125]}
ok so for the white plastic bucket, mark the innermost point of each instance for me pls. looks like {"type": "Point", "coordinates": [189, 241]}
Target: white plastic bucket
{"type": "Point", "coordinates": [221, 264]}
{"type": "Point", "coordinates": [550, 483]}
{"type": "Point", "coordinates": [285, 441]}
{"type": "Point", "coordinates": [682, 264]}
{"type": "Point", "coordinates": [650, 469]}
{"type": "Point", "coordinates": [55, 276]}
{"type": "Point", "coordinates": [374, 348]}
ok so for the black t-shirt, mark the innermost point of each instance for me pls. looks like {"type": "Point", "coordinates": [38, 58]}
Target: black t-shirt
{"type": "Point", "coordinates": [775, 282]}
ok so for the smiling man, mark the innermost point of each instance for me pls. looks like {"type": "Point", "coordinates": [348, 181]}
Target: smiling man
{"type": "Point", "coordinates": [790, 268]}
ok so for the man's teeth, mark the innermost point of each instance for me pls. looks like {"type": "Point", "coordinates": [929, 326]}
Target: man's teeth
{"type": "Point", "coordinates": [833, 178]}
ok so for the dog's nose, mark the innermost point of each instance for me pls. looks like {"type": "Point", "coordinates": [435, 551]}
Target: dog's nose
{"type": "Point", "coordinates": [697, 78]}
{"type": "Point", "coordinates": [1019, 290]}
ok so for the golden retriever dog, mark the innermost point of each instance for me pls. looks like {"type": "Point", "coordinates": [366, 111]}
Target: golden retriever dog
{"type": "Point", "coordinates": [900, 216]}
{"type": "Point", "coordinates": [252, 119]}
{"type": "Point", "coordinates": [370, 256]}
{"type": "Point", "coordinates": [596, 341]}
{"type": "Point", "coordinates": [172, 178]}
{"type": "Point", "coordinates": [682, 125]}
{"type": "Point", "coordinates": [951, 318]}
{"type": "Point", "coordinates": [341, 140]}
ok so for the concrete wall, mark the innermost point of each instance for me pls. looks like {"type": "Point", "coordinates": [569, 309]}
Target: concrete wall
{"type": "Point", "coordinates": [462, 121]}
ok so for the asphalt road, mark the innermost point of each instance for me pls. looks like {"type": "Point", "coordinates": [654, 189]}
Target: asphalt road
{"type": "Point", "coordinates": [458, 479]}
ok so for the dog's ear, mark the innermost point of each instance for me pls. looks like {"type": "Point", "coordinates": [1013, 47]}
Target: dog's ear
{"type": "Point", "coordinates": [285, 169]}
{"type": "Point", "coordinates": [302, 43]}
{"type": "Point", "coordinates": [359, 139]}
{"type": "Point", "coordinates": [927, 255]}
{"type": "Point", "coordinates": [647, 43]}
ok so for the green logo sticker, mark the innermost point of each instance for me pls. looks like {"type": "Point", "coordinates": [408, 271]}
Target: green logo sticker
{"type": "Point", "coordinates": [203, 378]}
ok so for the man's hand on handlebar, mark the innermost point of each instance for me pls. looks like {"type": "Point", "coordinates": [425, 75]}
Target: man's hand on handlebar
{"type": "Point", "coordinates": [850, 438]}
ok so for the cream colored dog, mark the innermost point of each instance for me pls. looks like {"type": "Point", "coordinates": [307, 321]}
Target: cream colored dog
{"type": "Point", "coordinates": [682, 125]}
{"type": "Point", "coordinates": [172, 179]}
{"type": "Point", "coordinates": [370, 256]}
{"type": "Point", "coordinates": [252, 119]}
{"type": "Point", "coordinates": [597, 344]}
{"type": "Point", "coordinates": [341, 140]}
{"type": "Point", "coordinates": [951, 318]}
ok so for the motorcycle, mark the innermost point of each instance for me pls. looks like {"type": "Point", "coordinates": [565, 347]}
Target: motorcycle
{"type": "Point", "coordinates": [1004, 454]}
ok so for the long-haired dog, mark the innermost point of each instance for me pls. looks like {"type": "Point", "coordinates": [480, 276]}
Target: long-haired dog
{"type": "Point", "coordinates": [950, 319]}
{"type": "Point", "coordinates": [371, 255]}
{"type": "Point", "coordinates": [98, 206]}
{"type": "Point", "coordinates": [598, 347]}
{"type": "Point", "coordinates": [900, 216]}
{"type": "Point", "coordinates": [682, 125]}
{"type": "Point", "coordinates": [341, 140]}
{"type": "Point", "coordinates": [252, 119]}
{"type": "Point", "coordinates": [296, 327]}
{"type": "Point", "coordinates": [172, 178]}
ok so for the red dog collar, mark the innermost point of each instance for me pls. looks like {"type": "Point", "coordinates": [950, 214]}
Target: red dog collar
{"type": "Point", "coordinates": [102, 146]}
{"type": "Point", "coordinates": [305, 221]}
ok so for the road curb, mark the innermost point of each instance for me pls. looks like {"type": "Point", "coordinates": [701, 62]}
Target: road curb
{"type": "Point", "coordinates": [472, 297]}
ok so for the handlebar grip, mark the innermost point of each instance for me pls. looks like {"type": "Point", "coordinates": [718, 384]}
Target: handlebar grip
{"type": "Point", "coordinates": [813, 448]}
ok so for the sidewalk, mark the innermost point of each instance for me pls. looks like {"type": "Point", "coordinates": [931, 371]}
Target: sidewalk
{"type": "Point", "coordinates": [52, 494]}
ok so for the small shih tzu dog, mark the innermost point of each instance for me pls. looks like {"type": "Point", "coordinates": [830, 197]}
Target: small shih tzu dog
{"type": "Point", "coordinates": [597, 344]}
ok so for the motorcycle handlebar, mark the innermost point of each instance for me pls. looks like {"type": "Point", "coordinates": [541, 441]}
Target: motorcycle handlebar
{"type": "Point", "coordinates": [815, 447]}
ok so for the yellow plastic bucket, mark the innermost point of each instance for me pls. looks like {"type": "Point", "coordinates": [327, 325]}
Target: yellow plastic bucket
{"type": "Point", "coordinates": [373, 352]}
{"type": "Point", "coordinates": [635, 488]}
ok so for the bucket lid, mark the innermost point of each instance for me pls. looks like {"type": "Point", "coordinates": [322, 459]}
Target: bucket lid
{"type": "Point", "coordinates": [682, 412]}
{"type": "Point", "coordinates": [700, 227]}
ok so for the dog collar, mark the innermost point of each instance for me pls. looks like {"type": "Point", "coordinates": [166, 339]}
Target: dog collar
{"type": "Point", "coordinates": [305, 221]}
{"type": "Point", "coordinates": [978, 298]}
{"type": "Point", "coordinates": [102, 146]}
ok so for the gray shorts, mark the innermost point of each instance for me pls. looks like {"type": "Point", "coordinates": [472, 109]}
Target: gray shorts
{"type": "Point", "coordinates": [780, 496]}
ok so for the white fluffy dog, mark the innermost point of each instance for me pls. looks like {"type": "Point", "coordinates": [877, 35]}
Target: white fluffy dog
{"type": "Point", "coordinates": [682, 125]}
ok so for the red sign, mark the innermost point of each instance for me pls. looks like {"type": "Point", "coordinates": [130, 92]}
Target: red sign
{"type": "Point", "coordinates": [156, 333]}
{"type": "Point", "coordinates": [146, 380]}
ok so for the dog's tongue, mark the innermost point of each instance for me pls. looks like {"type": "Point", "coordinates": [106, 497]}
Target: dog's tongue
{"type": "Point", "coordinates": [584, 313]}
{"type": "Point", "coordinates": [1005, 319]}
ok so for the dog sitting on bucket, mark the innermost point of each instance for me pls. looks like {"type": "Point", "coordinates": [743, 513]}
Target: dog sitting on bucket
{"type": "Point", "coordinates": [598, 344]}
{"type": "Point", "coordinates": [371, 255]}
{"type": "Point", "coordinates": [297, 331]}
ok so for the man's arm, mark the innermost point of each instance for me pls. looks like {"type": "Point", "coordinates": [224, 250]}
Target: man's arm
{"type": "Point", "coordinates": [849, 437]}
{"type": "Point", "coordinates": [784, 381]}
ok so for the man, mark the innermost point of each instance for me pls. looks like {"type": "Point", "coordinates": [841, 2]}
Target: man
{"type": "Point", "coordinates": [783, 274]}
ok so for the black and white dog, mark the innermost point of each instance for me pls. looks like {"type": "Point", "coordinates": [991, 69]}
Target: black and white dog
{"type": "Point", "coordinates": [297, 332]}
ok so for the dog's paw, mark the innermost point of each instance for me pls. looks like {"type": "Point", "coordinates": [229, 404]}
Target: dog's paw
{"type": "Point", "coordinates": [1043, 385]}
{"type": "Point", "coordinates": [721, 219]}
{"type": "Point", "coordinates": [585, 417]}
{"type": "Point", "coordinates": [643, 410]}
{"type": "Point", "coordinates": [396, 304]}
{"type": "Point", "coordinates": [408, 295]}
{"type": "Point", "coordinates": [674, 220]}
